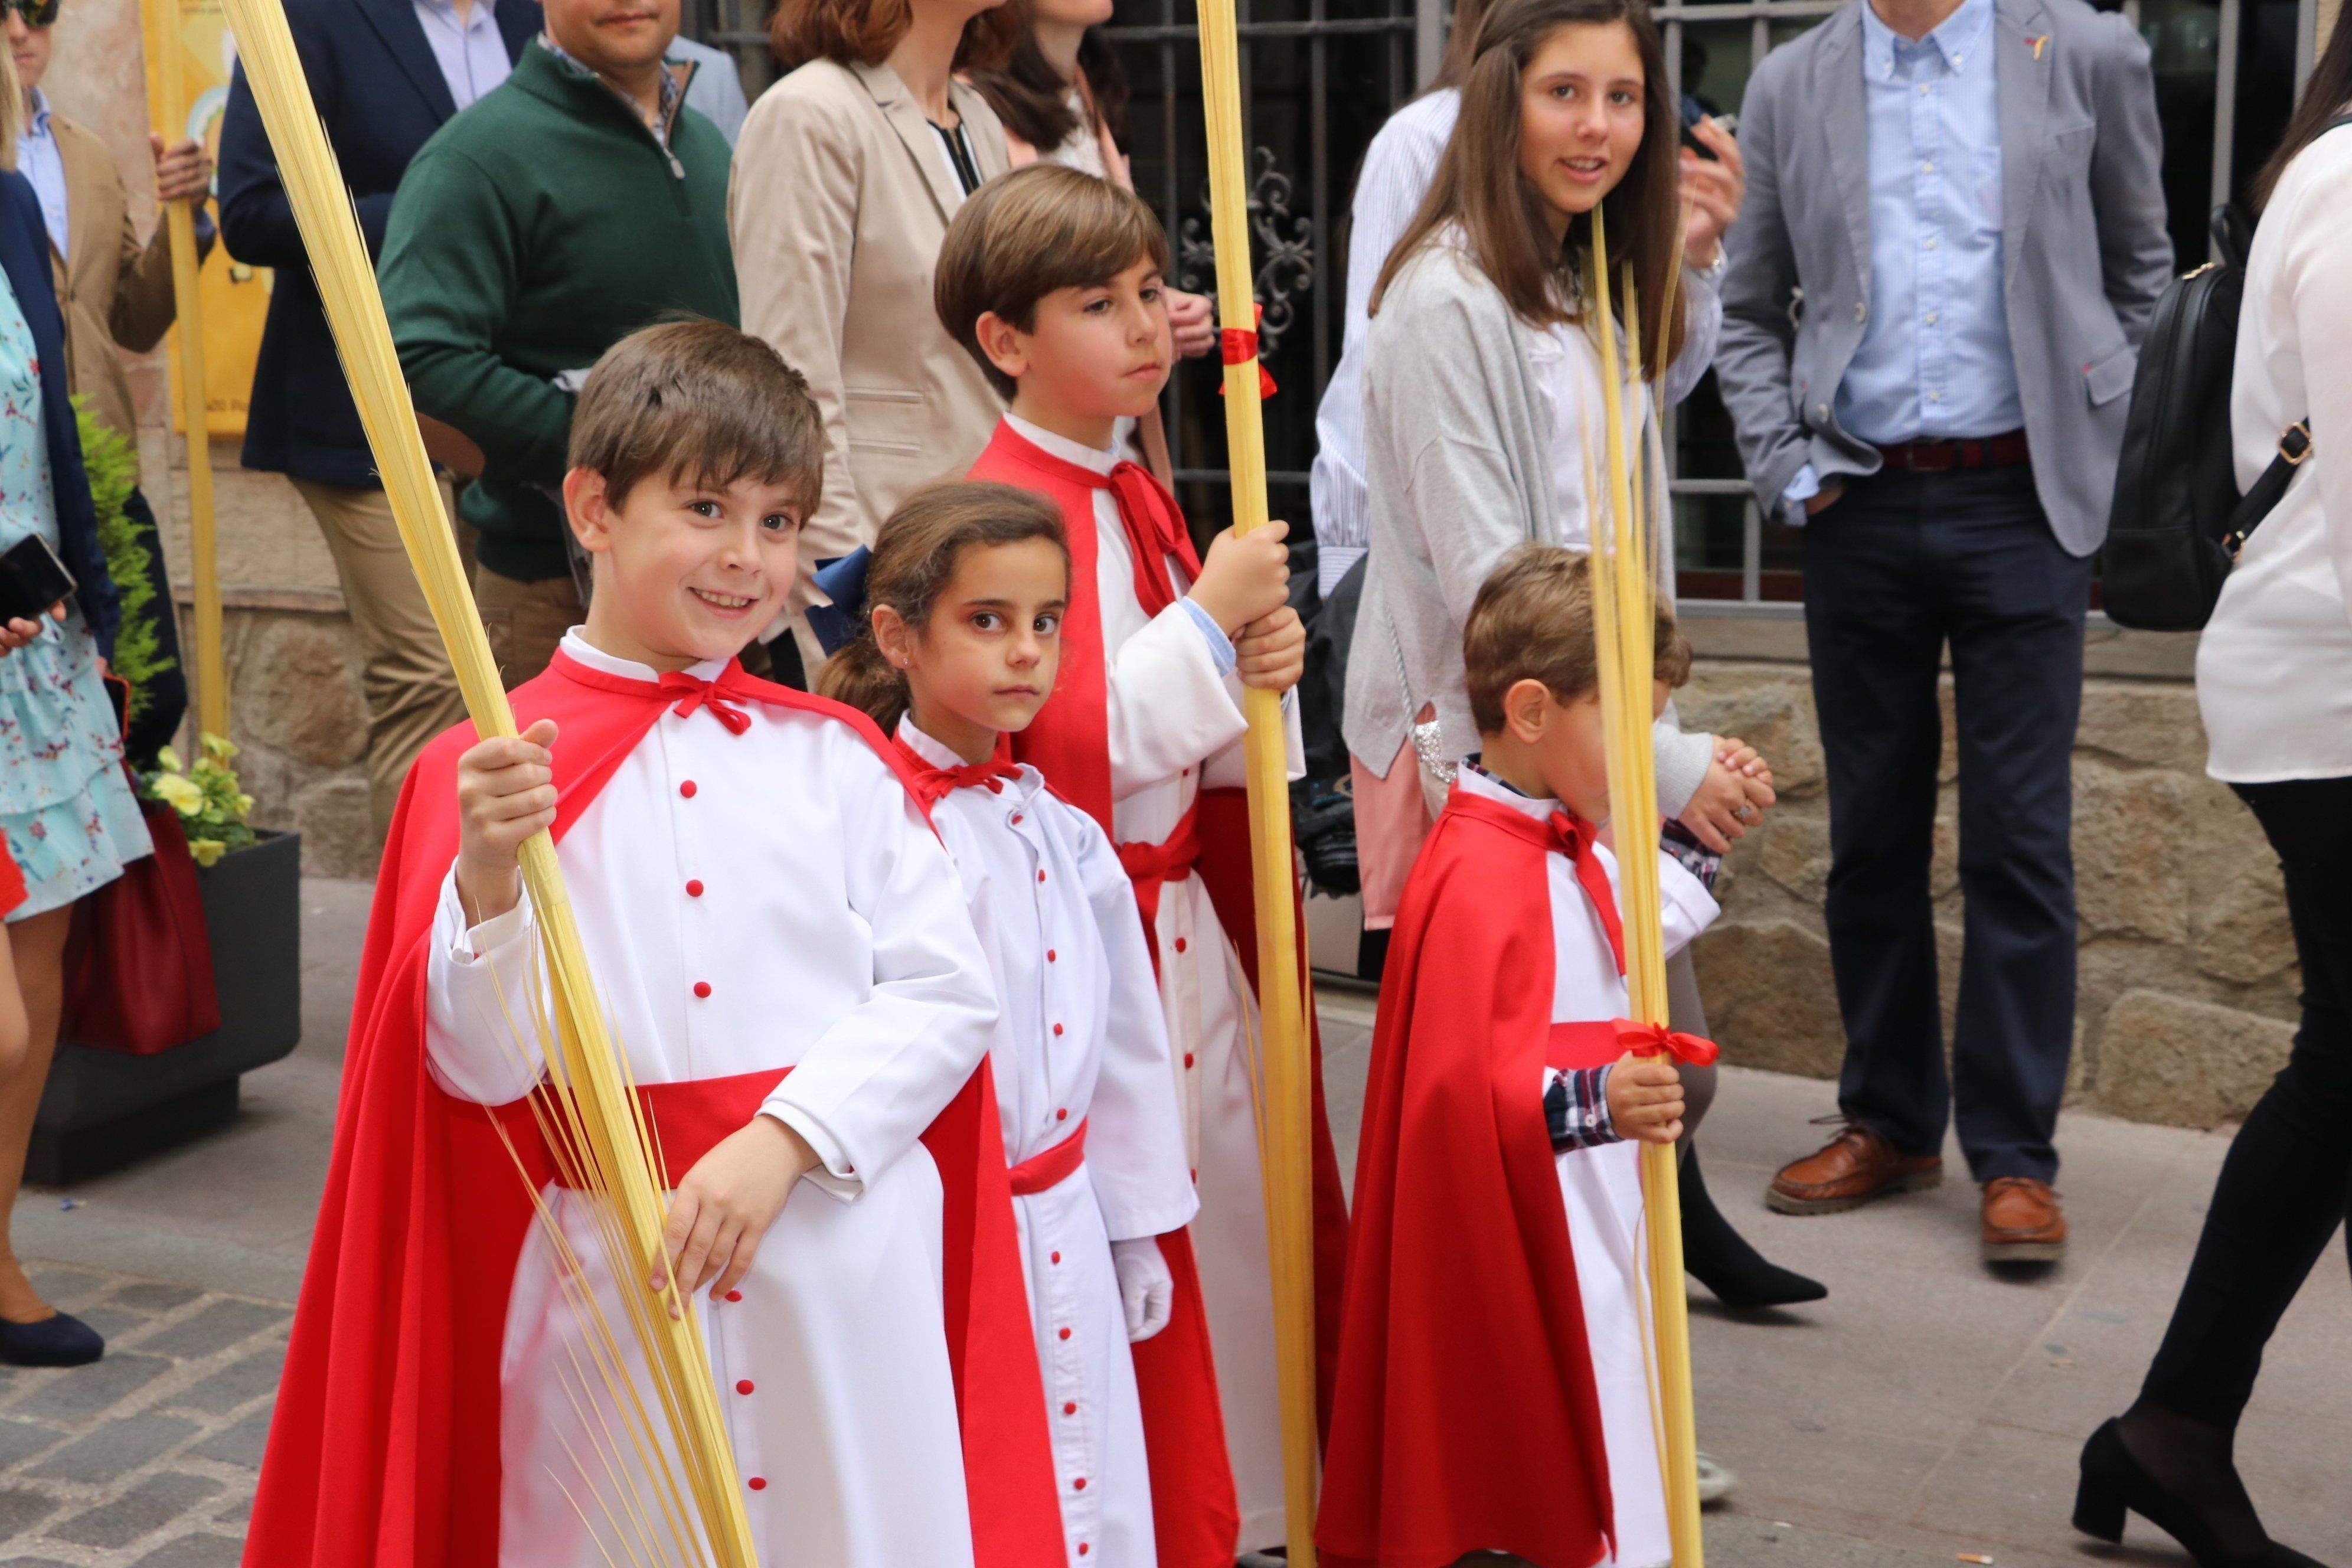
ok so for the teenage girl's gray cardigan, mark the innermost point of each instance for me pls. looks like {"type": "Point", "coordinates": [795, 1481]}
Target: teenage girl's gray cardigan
{"type": "Point", "coordinates": [1456, 442]}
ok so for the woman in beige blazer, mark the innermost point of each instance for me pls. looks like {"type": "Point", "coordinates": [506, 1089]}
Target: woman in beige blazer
{"type": "Point", "coordinates": [845, 178]}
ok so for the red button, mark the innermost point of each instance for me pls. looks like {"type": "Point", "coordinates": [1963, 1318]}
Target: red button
{"type": "Point", "coordinates": [734, 1295]}
{"type": "Point", "coordinates": [1196, 1178]}
{"type": "Point", "coordinates": [744, 1387]}
{"type": "Point", "coordinates": [1016, 819]}
{"type": "Point", "coordinates": [1082, 1549]}
{"type": "Point", "coordinates": [1179, 944]}
{"type": "Point", "coordinates": [1188, 1059]}
{"type": "Point", "coordinates": [1041, 876]}
{"type": "Point", "coordinates": [687, 789]}
{"type": "Point", "coordinates": [758, 1483]}
{"type": "Point", "coordinates": [1058, 1028]}
{"type": "Point", "coordinates": [1066, 1334]}
{"type": "Point", "coordinates": [1049, 955]}
{"type": "Point", "coordinates": [1069, 1409]}
{"type": "Point", "coordinates": [694, 888]}
{"type": "Point", "coordinates": [1063, 1114]}
{"type": "Point", "coordinates": [702, 988]}
{"type": "Point", "coordinates": [1078, 1485]}
{"type": "Point", "coordinates": [1057, 1257]}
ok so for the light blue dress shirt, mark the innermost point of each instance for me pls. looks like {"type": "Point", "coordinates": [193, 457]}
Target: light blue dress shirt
{"type": "Point", "coordinates": [1935, 362]}
{"type": "Point", "coordinates": [472, 54]}
{"type": "Point", "coordinates": [39, 160]}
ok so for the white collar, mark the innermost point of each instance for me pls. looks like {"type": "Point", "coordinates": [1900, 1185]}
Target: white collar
{"type": "Point", "coordinates": [577, 646]}
{"type": "Point", "coordinates": [37, 124]}
{"type": "Point", "coordinates": [1101, 461]}
{"type": "Point", "coordinates": [1477, 781]}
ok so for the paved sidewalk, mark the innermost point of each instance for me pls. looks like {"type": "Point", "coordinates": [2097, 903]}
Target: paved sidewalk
{"type": "Point", "coordinates": [1929, 1409]}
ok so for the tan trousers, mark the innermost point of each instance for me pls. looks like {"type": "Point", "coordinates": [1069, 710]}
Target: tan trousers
{"type": "Point", "coordinates": [411, 692]}
{"type": "Point", "coordinates": [525, 621]}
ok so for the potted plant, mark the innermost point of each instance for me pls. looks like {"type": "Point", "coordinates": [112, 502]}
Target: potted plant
{"type": "Point", "coordinates": [104, 1109]}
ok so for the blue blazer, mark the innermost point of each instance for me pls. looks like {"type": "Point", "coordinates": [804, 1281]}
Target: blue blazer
{"type": "Point", "coordinates": [25, 258]}
{"type": "Point", "coordinates": [381, 93]}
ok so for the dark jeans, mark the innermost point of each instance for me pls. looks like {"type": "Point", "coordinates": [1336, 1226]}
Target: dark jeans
{"type": "Point", "coordinates": [2287, 1183]}
{"type": "Point", "coordinates": [1903, 565]}
{"type": "Point", "coordinates": [167, 692]}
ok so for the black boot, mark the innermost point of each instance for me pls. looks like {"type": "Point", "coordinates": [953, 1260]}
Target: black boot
{"type": "Point", "coordinates": [1719, 1257]}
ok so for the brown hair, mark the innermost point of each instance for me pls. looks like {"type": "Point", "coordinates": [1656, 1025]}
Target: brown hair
{"type": "Point", "coordinates": [1025, 234]}
{"type": "Point", "coordinates": [1461, 45]}
{"type": "Point", "coordinates": [864, 32]}
{"type": "Point", "coordinates": [1478, 185]}
{"type": "Point", "coordinates": [914, 558]}
{"type": "Point", "coordinates": [698, 400]}
{"type": "Point", "coordinates": [1532, 620]}
{"type": "Point", "coordinates": [2324, 96]}
{"type": "Point", "coordinates": [1030, 96]}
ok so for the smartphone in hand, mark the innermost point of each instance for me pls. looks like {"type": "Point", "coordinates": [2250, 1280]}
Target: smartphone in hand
{"type": "Point", "coordinates": [32, 580]}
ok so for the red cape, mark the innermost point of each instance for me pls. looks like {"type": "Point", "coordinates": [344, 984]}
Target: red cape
{"type": "Point", "coordinates": [1069, 743]}
{"type": "Point", "coordinates": [1465, 1416]}
{"type": "Point", "coordinates": [383, 1452]}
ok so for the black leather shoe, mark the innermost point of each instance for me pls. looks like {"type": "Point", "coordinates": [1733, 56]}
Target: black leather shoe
{"type": "Point", "coordinates": [59, 1340]}
{"type": "Point", "coordinates": [2114, 1483]}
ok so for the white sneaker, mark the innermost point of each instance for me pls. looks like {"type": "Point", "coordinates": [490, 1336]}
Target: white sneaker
{"type": "Point", "coordinates": [1715, 1482]}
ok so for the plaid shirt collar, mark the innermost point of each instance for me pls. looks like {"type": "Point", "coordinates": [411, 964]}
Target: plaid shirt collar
{"type": "Point", "coordinates": [673, 92]}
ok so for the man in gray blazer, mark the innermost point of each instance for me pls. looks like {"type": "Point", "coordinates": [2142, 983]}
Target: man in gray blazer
{"type": "Point", "coordinates": [1953, 241]}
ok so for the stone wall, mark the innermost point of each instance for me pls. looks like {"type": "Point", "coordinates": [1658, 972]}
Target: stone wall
{"type": "Point", "coordinates": [2188, 980]}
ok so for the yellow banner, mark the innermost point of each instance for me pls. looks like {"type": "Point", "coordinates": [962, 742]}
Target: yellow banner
{"type": "Point", "coordinates": [233, 297]}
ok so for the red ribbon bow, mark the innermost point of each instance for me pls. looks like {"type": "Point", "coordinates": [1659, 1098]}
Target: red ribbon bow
{"type": "Point", "coordinates": [694, 692]}
{"type": "Point", "coordinates": [1573, 836]}
{"type": "Point", "coordinates": [1155, 530]}
{"type": "Point", "coordinates": [935, 782]}
{"type": "Point", "coordinates": [1656, 1039]}
{"type": "Point", "coordinates": [1238, 345]}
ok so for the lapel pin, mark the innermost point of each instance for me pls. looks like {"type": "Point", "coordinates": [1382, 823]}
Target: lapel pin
{"type": "Point", "coordinates": [2037, 40]}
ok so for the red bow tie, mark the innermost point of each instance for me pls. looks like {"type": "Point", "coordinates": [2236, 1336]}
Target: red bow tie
{"type": "Point", "coordinates": [1155, 530]}
{"type": "Point", "coordinates": [1656, 1039]}
{"type": "Point", "coordinates": [934, 783]}
{"type": "Point", "coordinates": [694, 692]}
{"type": "Point", "coordinates": [1574, 837]}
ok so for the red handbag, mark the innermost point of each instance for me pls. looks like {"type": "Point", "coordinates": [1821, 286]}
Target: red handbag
{"type": "Point", "coordinates": [139, 963]}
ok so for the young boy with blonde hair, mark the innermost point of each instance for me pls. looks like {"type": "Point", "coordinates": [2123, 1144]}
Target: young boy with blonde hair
{"type": "Point", "coordinates": [1054, 282]}
{"type": "Point", "coordinates": [782, 949]}
{"type": "Point", "coordinates": [1496, 1147]}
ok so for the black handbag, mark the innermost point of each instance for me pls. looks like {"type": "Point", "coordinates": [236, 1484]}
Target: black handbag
{"type": "Point", "coordinates": [2178, 520]}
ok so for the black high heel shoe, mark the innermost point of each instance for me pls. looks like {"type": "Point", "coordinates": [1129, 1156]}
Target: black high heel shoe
{"type": "Point", "coordinates": [2113, 1484]}
{"type": "Point", "coordinates": [60, 1339]}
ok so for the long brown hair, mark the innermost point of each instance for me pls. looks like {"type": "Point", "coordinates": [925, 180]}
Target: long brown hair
{"type": "Point", "coordinates": [914, 558]}
{"type": "Point", "coordinates": [864, 32]}
{"type": "Point", "coordinates": [1461, 45]}
{"type": "Point", "coordinates": [1030, 96]}
{"type": "Point", "coordinates": [2325, 96]}
{"type": "Point", "coordinates": [1478, 185]}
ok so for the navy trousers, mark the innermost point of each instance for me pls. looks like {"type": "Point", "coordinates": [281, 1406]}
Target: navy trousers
{"type": "Point", "coordinates": [1901, 567]}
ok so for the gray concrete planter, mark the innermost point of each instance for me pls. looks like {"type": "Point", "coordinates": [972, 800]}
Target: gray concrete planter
{"type": "Point", "coordinates": [102, 1110]}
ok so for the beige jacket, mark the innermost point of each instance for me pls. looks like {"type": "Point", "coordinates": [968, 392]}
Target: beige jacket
{"type": "Point", "coordinates": [837, 204]}
{"type": "Point", "coordinates": [116, 291]}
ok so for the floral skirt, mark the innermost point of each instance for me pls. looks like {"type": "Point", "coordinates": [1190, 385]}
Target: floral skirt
{"type": "Point", "coordinates": [67, 809]}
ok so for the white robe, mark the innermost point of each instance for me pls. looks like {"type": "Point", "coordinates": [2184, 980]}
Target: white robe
{"type": "Point", "coordinates": [1079, 1042]}
{"type": "Point", "coordinates": [1602, 1188]}
{"type": "Point", "coordinates": [787, 870]}
{"type": "Point", "coordinates": [1176, 726]}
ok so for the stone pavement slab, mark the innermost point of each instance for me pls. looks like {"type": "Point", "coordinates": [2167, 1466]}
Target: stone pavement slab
{"type": "Point", "coordinates": [1928, 1409]}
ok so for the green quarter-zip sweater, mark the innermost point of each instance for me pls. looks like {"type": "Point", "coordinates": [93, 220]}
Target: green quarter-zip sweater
{"type": "Point", "coordinates": [534, 231]}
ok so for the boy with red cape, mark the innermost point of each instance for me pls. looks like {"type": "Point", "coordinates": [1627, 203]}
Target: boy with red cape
{"type": "Point", "coordinates": [1051, 280]}
{"type": "Point", "coordinates": [1493, 1385]}
{"type": "Point", "coordinates": [782, 947]}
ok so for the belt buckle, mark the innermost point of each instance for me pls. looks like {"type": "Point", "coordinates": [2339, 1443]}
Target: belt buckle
{"type": "Point", "coordinates": [1934, 457]}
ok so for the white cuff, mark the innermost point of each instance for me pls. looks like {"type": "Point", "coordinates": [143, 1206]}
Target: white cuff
{"type": "Point", "coordinates": [834, 1173]}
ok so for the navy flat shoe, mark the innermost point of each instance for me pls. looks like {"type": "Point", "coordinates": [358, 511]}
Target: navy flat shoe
{"type": "Point", "coordinates": [59, 1340]}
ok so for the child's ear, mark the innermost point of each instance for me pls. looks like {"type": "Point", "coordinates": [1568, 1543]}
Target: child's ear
{"type": "Point", "coordinates": [894, 637]}
{"type": "Point", "coordinates": [1526, 710]}
{"type": "Point", "coordinates": [1006, 345]}
{"type": "Point", "coordinates": [587, 508]}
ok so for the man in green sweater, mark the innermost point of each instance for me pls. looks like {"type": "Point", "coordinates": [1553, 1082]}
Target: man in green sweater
{"type": "Point", "coordinates": [573, 205]}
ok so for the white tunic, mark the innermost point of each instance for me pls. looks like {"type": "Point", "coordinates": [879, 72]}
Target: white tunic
{"type": "Point", "coordinates": [1176, 724]}
{"type": "Point", "coordinates": [1602, 1188]}
{"type": "Point", "coordinates": [1079, 1041]}
{"type": "Point", "coordinates": [748, 902]}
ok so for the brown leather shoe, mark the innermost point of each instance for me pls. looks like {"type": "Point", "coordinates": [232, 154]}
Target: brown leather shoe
{"type": "Point", "coordinates": [1856, 1166]}
{"type": "Point", "coordinates": [2022, 1222]}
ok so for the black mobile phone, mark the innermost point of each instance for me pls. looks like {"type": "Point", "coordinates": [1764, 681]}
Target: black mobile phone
{"type": "Point", "coordinates": [1692, 115]}
{"type": "Point", "coordinates": [32, 579]}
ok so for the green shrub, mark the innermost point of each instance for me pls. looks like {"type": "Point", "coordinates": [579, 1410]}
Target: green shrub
{"type": "Point", "coordinates": [112, 464]}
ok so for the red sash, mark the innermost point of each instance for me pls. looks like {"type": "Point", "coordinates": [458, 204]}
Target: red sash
{"type": "Point", "coordinates": [686, 1119]}
{"type": "Point", "coordinates": [1151, 866]}
{"type": "Point", "coordinates": [1052, 1168]}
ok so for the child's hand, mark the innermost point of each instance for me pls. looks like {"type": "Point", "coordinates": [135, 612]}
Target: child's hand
{"type": "Point", "coordinates": [1273, 652]}
{"type": "Point", "coordinates": [505, 793]}
{"type": "Point", "coordinates": [1244, 580]}
{"type": "Point", "coordinates": [1645, 1099]}
{"type": "Point", "coordinates": [727, 1203]}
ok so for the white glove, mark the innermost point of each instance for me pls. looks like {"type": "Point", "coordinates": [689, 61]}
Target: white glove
{"type": "Point", "coordinates": [1146, 1289]}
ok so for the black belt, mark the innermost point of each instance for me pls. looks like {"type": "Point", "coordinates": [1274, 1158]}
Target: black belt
{"type": "Point", "coordinates": [2007, 451]}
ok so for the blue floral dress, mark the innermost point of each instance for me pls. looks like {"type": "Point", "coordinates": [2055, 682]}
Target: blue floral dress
{"type": "Point", "coordinates": [65, 809]}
